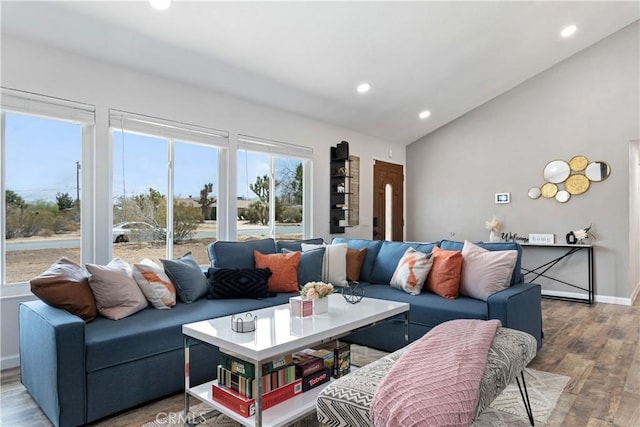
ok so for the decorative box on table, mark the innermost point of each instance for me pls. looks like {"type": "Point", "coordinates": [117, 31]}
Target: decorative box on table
{"type": "Point", "coordinates": [301, 307]}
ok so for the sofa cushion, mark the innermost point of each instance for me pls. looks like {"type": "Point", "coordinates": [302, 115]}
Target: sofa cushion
{"type": "Point", "coordinates": [389, 255]}
{"type": "Point", "coordinates": [355, 258]}
{"type": "Point", "coordinates": [117, 293]}
{"type": "Point", "coordinates": [151, 332]}
{"type": "Point", "coordinates": [485, 272]}
{"type": "Point", "coordinates": [225, 254]}
{"type": "Point", "coordinates": [297, 244]}
{"type": "Point", "coordinates": [517, 276]}
{"type": "Point", "coordinates": [444, 278]}
{"type": "Point", "coordinates": [429, 309]}
{"type": "Point", "coordinates": [187, 276]}
{"type": "Point", "coordinates": [411, 272]}
{"type": "Point", "coordinates": [65, 285]}
{"type": "Point", "coordinates": [154, 284]}
{"type": "Point", "coordinates": [284, 270]}
{"type": "Point", "coordinates": [310, 266]}
{"type": "Point", "coordinates": [372, 247]}
{"type": "Point", "coordinates": [238, 282]}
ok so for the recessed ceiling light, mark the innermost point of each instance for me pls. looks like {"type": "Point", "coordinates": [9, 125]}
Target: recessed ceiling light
{"type": "Point", "coordinates": [568, 31]}
{"type": "Point", "coordinates": [424, 114]}
{"type": "Point", "coordinates": [363, 88]}
{"type": "Point", "coordinates": [160, 4]}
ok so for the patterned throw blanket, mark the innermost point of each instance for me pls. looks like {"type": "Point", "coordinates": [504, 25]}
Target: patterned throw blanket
{"type": "Point", "coordinates": [436, 382]}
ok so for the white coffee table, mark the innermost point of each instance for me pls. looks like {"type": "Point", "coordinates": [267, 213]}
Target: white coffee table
{"type": "Point", "coordinates": [277, 334]}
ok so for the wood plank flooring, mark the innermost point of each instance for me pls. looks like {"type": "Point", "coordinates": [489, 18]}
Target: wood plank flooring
{"type": "Point", "coordinates": [597, 346]}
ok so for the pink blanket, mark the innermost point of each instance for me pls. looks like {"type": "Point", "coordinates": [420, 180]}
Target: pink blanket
{"type": "Point", "coordinates": [436, 382]}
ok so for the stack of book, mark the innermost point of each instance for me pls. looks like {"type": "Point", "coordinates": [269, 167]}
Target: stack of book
{"type": "Point", "coordinates": [236, 387]}
{"type": "Point", "coordinates": [310, 369]}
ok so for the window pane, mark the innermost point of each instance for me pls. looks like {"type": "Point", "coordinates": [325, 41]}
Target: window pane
{"type": "Point", "coordinates": [289, 179]}
{"type": "Point", "coordinates": [42, 194]}
{"type": "Point", "coordinates": [253, 195]}
{"type": "Point", "coordinates": [195, 195]}
{"type": "Point", "coordinates": [139, 196]}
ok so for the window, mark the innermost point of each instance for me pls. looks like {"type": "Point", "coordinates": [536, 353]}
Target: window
{"type": "Point", "coordinates": [165, 187]}
{"type": "Point", "coordinates": [42, 182]}
{"type": "Point", "coordinates": [263, 165]}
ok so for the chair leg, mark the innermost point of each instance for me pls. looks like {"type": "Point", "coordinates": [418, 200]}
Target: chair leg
{"type": "Point", "coordinates": [525, 397]}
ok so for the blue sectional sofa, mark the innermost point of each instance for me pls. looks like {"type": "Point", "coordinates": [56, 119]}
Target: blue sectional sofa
{"type": "Point", "coordinates": [517, 307]}
{"type": "Point", "coordinates": [80, 372]}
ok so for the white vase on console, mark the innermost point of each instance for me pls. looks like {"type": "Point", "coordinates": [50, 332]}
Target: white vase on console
{"type": "Point", "coordinates": [494, 237]}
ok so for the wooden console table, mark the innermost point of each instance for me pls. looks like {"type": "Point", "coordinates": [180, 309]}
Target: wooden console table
{"type": "Point", "coordinates": [568, 250]}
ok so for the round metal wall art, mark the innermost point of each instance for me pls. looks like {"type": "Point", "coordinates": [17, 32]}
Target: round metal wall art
{"type": "Point", "coordinates": [566, 179]}
{"type": "Point", "coordinates": [576, 184]}
{"type": "Point", "coordinates": [578, 163]}
{"type": "Point", "coordinates": [548, 190]}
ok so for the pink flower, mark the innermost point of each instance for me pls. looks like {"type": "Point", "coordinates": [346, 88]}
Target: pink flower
{"type": "Point", "coordinates": [311, 293]}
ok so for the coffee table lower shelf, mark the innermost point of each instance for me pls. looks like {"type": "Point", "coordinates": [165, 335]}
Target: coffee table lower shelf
{"type": "Point", "coordinates": [282, 414]}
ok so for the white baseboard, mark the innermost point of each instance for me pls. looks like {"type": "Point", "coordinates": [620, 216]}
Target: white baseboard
{"type": "Point", "coordinates": [9, 362]}
{"type": "Point", "coordinates": [598, 298]}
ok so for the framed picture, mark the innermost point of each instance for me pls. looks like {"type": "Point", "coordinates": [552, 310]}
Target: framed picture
{"type": "Point", "coordinates": [503, 197]}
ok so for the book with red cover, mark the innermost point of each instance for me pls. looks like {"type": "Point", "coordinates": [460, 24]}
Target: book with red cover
{"type": "Point", "coordinates": [247, 407]}
{"type": "Point", "coordinates": [306, 364]}
{"type": "Point", "coordinates": [314, 380]}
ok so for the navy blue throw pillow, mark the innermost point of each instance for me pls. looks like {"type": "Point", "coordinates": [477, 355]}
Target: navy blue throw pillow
{"type": "Point", "coordinates": [238, 282]}
{"type": "Point", "coordinates": [310, 266]}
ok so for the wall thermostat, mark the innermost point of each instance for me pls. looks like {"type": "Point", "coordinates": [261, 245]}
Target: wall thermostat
{"type": "Point", "coordinates": [503, 197]}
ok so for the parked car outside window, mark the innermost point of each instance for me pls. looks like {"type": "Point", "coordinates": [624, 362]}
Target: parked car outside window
{"type": "Point", "coordinates": [137, 231]}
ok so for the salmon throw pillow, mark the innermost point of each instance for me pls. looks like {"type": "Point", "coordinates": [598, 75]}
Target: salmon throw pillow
{"type": "Point", "coordinates": [444, 278]}
{"type": "Point", "coordinates": [284, 269]}
{"type": "Point", "coordinates": [411, 272]}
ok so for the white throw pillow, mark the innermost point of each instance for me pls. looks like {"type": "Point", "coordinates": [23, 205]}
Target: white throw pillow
{"type": "Point", "coordinates": [334, 263]}
{"type": "Point", "coordinates": [412, 271]}
{"type": "Point", "coordinates": [117, 293]}
{"type": "Point", "coordinates": [485, 272]}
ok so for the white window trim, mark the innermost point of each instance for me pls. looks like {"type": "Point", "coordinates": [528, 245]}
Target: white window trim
{"type": "Point", "coordinates": [157, 127]}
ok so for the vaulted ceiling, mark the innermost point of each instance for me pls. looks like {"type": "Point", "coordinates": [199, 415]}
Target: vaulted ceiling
{"type": "Point", "coordinates": [308, 57]}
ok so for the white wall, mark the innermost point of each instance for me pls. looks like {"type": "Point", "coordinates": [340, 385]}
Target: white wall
{"type": "Point", "coordinates": [47, 71]}
{"type": "Point", "coordinates": [586, 105]}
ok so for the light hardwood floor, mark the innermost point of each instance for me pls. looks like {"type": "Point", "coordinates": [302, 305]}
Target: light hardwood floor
{"type": "Point", "coordinates": [597, 346]}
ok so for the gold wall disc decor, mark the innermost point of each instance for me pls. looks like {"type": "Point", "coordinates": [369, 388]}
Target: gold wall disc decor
{"type": "Point", "coordinates": [563, 179]}
{"type": "Point", "coordinates": [578, 163]}
{"type": "Point", "coordinates": [576, 184]}
{"type": "Point", "coordinates": [548, 189]}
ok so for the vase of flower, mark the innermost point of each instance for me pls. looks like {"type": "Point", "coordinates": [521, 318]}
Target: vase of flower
{"type": "Point", "coordinates": [318, 292]}
{"type": "Point", "coordinates": [494, 230]}
{"type": "Point", "coordinates": [320, 305]}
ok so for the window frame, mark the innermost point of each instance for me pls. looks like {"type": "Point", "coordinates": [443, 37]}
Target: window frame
{"type": "Point", "coordinates": [283, 150]}
{"type": "Point", "coordinates": [52, 108]}
{"type": "Point", "coordinates": [171, 132]}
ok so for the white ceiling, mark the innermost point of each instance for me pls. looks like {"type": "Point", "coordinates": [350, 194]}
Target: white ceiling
{"type": "Point", "coordinates": [308, 57]}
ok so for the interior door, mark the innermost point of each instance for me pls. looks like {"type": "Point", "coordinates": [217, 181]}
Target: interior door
{"type": "Point", "coordinates": [388, 190]}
